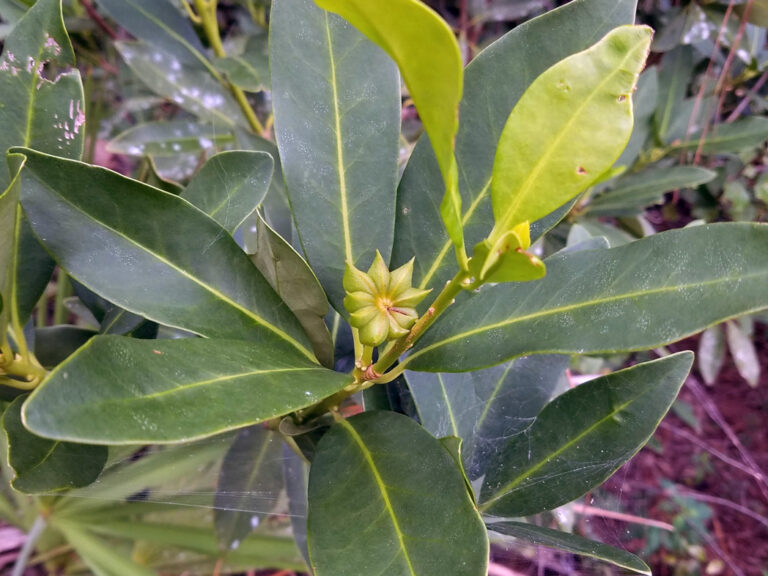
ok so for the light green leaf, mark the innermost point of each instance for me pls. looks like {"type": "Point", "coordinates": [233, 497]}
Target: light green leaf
{"type": "Point", "coordinates": [373, 505]}
{"type": "Point", "coordinates": [568, 128]}
{"type": "Point", "coordinates": [249, 485]}
{"type": "Point", "coordinates": [644, 106]}
{"type": "Point", "coordinates": [230, 186]}
{"type": "Point", "coordinates": [43, 466]}
{"type": "Point", "coordinates": [249, 70]}
{"type": "Point", "coordinates": [160, 139]}
{"type": "Point", "coordinates": [293, 280]}
{"type": "Point", "coordinates": [632, 193]}
{"type": "Point", "coordinates": [336, 100]}
{"type": "Point", "coordinates": [581, 438]}
{"type": "Point", "coordinates": [190, 87]}
{"type": "Point", "coordinates": [642, 295]}
{"type": "Point", "coordinates": [485, 407]}
{"type": "Point", "coordinates": [160, 23]}
{"type": "Point", "coordinates": [711, 354]}
{"type": "Point", "coordinates": [182, 271]}
{"type": "Point", "coordinates": [434, 78]}
{"type": "Point", "coordinates": [743, 352]}
{"type": "Point", "coordinates": [118, 390]}
{"type": "Point", "coordinates": [495, 80]}
{"type": "Point", "coordinates": [256, 550]}
{"type": "Point", "coordinates": [570, 543]}
{"type": "Point", "coordinates": [674, 76]}
{"type": "Point", "coordinates": [742, 134]}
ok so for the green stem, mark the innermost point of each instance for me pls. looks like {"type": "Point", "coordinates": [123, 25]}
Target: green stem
{"type": "Point", "coordinates": [41, 315]}
{"type": "Point", "coordinates": [206, 10]}
{"type": "Point", "coordinates": [60, 312]}
{"type": "Point", "coordinates": [29, 545]}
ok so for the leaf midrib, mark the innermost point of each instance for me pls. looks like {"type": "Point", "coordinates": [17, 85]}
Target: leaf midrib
{"type": "Point", "coordinates": [576, 306]}
{"type": "Point", "coordinates": [382, 490]}
{"type": "Point", "coordinates": [220, 296]}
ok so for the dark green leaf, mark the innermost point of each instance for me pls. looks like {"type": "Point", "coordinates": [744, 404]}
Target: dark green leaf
{"type": "Point", "coordinates": [296, 474]}
{"type": "Point", "coordinates": [642, 295]}
{"type": "Point", "coordinates": [249, 485]}
{"type": "Point", "coordinates": [230, 186]}
{"type": "Point", "coordinates": [337, 118]}
{"type": "Point", "coordinates": [485, 407]}
{"type": "Point", "coordinates": [743, 134]}
{"type": "Point", "coordinates": [644, 102]}
{"type": "Point", "coordinates": [494, 82]}
{"type": "Point", "coordinates": [118, 390]}
{"type": "Point", "coordinates": [373, 505]}
{"type": "Point", "coordinates": [632, 193]}
{"type": "Point", "coordinates": [571, 543]}
{"type": "Point", "coordinates": [160, 139]}
{"type": "Point", "coordinates": [292, 278]}
{"type": "Point", "coordinates": [249, 70]}
{"type": "Point", "coordinates": [181, 270]}
{"type": "Point", "coordinates": [674, 76]}
{"type": "Point", "coordinates": [581, 438]}
{"type": "Point", "coordinates": [42, 465]}
{"type": "Point", "coordinates": [55, 344]}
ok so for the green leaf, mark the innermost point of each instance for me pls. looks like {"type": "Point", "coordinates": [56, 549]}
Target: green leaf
{"type": "Point", "coordinates": [160, 139]}
{"type": "Point", "coordinates": [495, 81]}
{"type": "Point", "coordinates": [43, 466]}
{"type": "Point", "coordinates": [190, 87]}
{"type": "Point", "coordinates": [34, 112]}
{"type": "Point", "coordinates": [581, 438]}
{"type": "Point", "coordinates": [570, 543]}
{"type": "Point", "coordinates": [711, 354]}
{"type": "Point", "coordinates": [181, 271]}
{"type": "Point", "coordinates": [249, 70]}
{"type": "Point", "coordinates": [293, 280]}
{"type": "Point", "coordinates": [434, 78]}
{"type": "Point", "coordinates": [373, 505]}
{"type": "Point", "coordinates": [230, 186]}
{"type": "Point", "coordinates": [160, 23]}
{"type": "Point", "coordinates": [174, 390]}
{"type": "Point", "coordinates": [674, 76]}
{"type": "Point", "coordinates": [256, 550]}
{"type": "Point", "coordinates": [642, 295]}
{"type": "Point", "coordinates": [296, 474]}
{"type": "Point", "coordinates": [249, 485]}
{"type": "Point", "coordinates": [632, 193]}
{"type": "Point", "coordinates": [644, 106]}
{"type": "Point", "coordinates": [485, 407]}
{"type": "Point", "coordinates": [742, 134]}
{"type": "Point", "coordinates": [55, 344]}
{"type": "Point", "coordinates": [336, 101]}
{"type": "Point", "coordinates": [568, 128]}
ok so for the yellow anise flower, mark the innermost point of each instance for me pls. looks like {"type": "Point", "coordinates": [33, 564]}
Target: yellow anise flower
{"type": "Point", "coordinates": [381, 304]}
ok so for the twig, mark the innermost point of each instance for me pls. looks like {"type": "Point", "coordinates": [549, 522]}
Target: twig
{"type": "Point", "coordinates": [98, 20]}
{"type": "Point", "coordinates": [29, 545]}
{"type": "Point", "coordinates": [694, 495]}
{"type": "Point", "coordinates": [745, 101]}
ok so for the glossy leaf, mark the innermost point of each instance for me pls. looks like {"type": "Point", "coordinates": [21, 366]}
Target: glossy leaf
{"type": "Point", "coordinates": [495, 81]}
{"type": "Point", "coordinates": [41, 465]}
{"type": "Point", "coordinates": [230, 186]}
{"type": "Point", "coordinates": [250, 481]}
{"type": "Point", "coordinates": [568, 128]}
{"type": "Point", "coordinates": [336, 100]}
{"type": "Point", "coordinates": [711, 354]}
{"type": "Point", "coordinates": [731, 138]}
{"type": "Point", "coordinates": [632, 193]}
{"type": "Point", "coordinates": [173, 390]}
{"type": "Point", "coordinates": [642, 295]}
{"type": "Point", "coordinates": [161, 24]}
{"type": "Point", "coordinates": [434, 79]}
{"type": "Point", "coordinates": [485, 407]}
{"type": "Point", "coordinates": [189, 86]}
{"type": "Point", "coordinates": [181, 271]}
{"type": "Point", "coordinates": [581, 438]}
{"type": "Point", "coordinates": [293, 280]}
{"type": "Point", "coordinates": [570, 543]}
{"type": "Point", "coordinates": [170, 138]}
{"type": "Point", "coordinates": [372, 505]}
